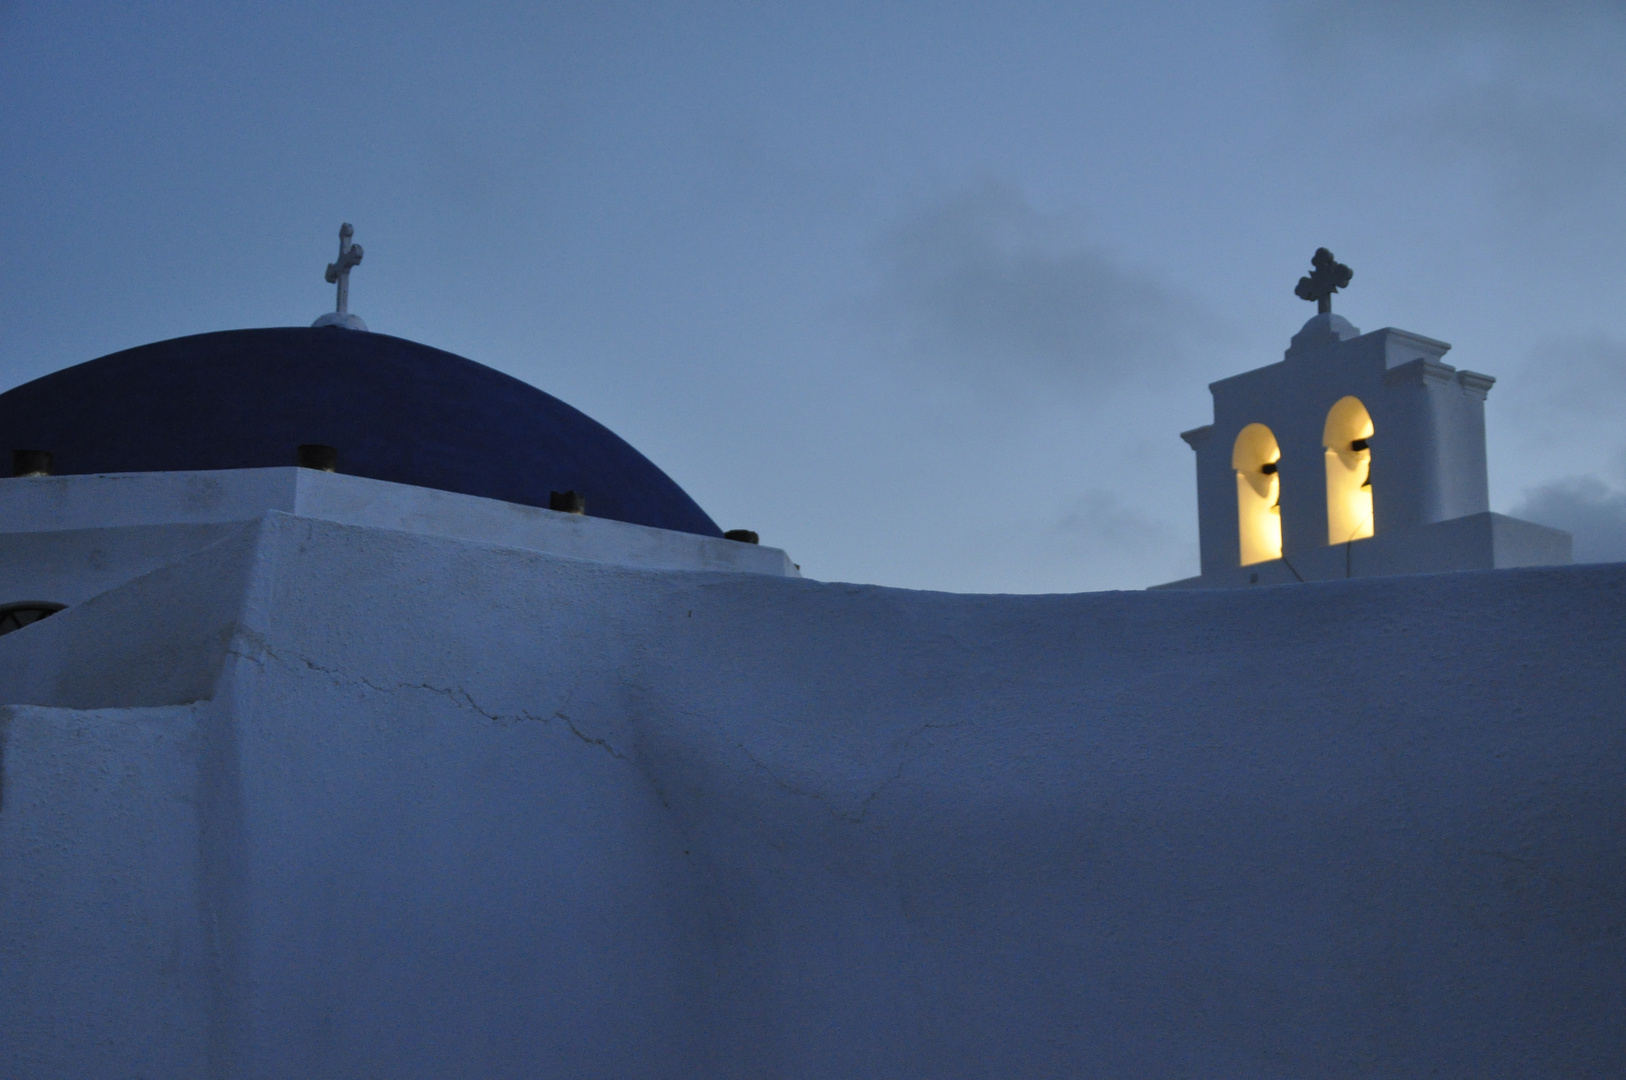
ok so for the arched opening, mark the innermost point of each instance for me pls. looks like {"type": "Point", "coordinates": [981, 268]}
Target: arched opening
{"type": "Point", "coordinates": [1348, 439]}
{"type": "Point", "coordinates": [1258, 494]}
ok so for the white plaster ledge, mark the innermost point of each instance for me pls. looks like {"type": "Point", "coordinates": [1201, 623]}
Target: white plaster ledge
{"type": "Point", "coordinates": [59, 504]}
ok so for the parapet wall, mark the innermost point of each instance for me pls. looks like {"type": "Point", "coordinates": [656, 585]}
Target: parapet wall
{"type": "Point", "coordinates": [421, 806]}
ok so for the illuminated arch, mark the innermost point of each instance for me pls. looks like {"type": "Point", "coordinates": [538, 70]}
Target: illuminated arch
{"type": "Point", "coordinates": [1258, 494]}
{"type": "Point", "coordinates": [1347, 438]}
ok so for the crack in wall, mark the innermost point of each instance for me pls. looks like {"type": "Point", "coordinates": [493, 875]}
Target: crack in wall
{"type": "Point", "coordinates": [256, 650]}
{"type": "Point", "coordinates": [457, 695]}
{"type": "Point", "coordinates": [588, 739]}
{"type": "Point", "coordinates": [863, 807]}
{"type": "Point", "coordinates": [854, 817]}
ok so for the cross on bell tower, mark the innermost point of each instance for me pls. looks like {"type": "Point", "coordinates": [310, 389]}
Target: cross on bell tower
{"type": "Point", "coordinates": [1328, 276]}
{"type": "Point", "coordinates": [338, 273]}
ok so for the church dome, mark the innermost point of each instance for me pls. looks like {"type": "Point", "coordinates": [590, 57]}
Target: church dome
{"type": "Point", "coordinates": [393, 409]}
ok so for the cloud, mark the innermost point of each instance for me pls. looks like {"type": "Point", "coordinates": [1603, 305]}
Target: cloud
{"type": "Point", "coordinates": [1588, 509]}
{"type": "Point", "coordinates": [1528, 94]}
{"type": "Point", "coordinates": [1560, 409]}
{"type": "Point", "coordinates": [983, 286]}
{"type": "Point", "coordinates": [1102, 521]}
{"type": "Point", "coordinates": [1568, 387]}
{"type": "Point", "coordinates": [1438, 23]}
{"type": "Point", "coordinates": [1095, 540]}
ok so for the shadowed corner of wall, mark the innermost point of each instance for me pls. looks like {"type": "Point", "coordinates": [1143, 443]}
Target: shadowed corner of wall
{"type": "Point", "coordinates": [160, 639]}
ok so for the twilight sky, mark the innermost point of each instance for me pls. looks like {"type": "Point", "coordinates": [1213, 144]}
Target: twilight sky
{"type": "Point", "coordinates": [923, 293]}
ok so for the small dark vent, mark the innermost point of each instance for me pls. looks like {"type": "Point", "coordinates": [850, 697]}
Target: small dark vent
{"type": "Point", "coordinates": [318, 457]}
{"type": "Point", "coordinates": [744, 536]}
{"type": "Point", "coordinates": [567, 502]}
{"type": "Point", "coordinates": [30, 463]}
{"type": "Point", "coordinates": [17, 616]}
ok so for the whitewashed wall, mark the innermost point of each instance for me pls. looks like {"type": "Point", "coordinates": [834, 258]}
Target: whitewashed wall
{"type": "Point", "coordinates": [334, 801]}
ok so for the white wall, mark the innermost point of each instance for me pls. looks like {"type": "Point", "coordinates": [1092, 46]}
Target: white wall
{"type": "Point", "coordinates": [103, 957]}
{"type": "Point", "coordinates": [1485, 541]}
{"type": "Point", "coordinates": [470, 810]}
{"type": "Point", "coordinates": [64, 539]}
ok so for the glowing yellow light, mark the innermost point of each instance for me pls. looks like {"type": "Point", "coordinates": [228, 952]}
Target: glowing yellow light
{"type": "Point", "coordinates": [1258, 494]}
{"type": "Point", "coordinates": [1349, 471]}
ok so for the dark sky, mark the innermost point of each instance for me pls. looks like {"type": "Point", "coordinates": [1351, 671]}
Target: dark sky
{"type": "Point", "coordinates": [924, 293]}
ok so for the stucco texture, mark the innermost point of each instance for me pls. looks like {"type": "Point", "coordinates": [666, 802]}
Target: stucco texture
{"type": "Point", "coordinates": [410, 806]}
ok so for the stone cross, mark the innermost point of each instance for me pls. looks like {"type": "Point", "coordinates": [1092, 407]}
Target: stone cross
{"type": "Point", "coordinates": [1328, 277]}
{"type": "Point", "coordinates": [338, 273]}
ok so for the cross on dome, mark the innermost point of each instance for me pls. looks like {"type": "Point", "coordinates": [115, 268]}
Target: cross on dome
{"type": "Point", "coordinates": [1328, 277]}
{"type": "Point", "coordinates": [338, 273]}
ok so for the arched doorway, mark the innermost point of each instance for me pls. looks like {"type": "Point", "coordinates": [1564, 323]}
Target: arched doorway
{"type": "Point", "coordinates": [1258, 494]}
{"type": "Point", "coordinates": [1347, 437]}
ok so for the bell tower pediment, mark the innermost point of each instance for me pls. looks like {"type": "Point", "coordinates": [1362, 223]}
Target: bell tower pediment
{"type": "Point", "coordinates": [1378, 443]}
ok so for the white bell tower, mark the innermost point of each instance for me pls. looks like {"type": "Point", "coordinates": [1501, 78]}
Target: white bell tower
{"type": "Point", "coordinates": [1356, 455]}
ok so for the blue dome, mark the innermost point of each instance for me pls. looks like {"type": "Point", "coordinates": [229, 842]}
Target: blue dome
{"type": "Point", "coordinates": [394, 410]}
